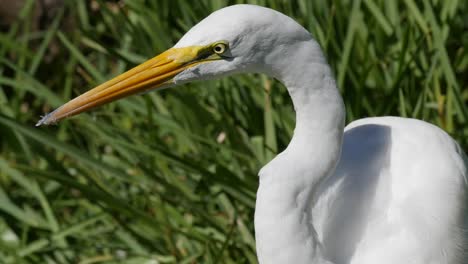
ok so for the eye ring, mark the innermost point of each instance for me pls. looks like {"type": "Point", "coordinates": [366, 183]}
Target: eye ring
{"type": "Point", "coordinates": [219, 48]}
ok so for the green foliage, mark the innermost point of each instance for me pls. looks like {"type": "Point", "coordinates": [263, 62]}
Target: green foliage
{"type": "Point", "coordinates": [170, 177]}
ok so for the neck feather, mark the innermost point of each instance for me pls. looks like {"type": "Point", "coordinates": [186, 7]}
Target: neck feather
{"type": "Point", "coordinates": [283, 218]}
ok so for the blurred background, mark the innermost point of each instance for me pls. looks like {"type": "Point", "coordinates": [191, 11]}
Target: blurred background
{"type": "Point", "coordinates": [171, 176]}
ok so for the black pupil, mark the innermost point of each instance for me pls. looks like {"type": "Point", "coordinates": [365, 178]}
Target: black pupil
{"type": "Point", "coordinates": [218, 48]}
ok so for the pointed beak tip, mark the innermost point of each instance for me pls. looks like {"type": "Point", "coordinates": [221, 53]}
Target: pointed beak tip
{"type": "Point", "coordinates": [42, 121]}
{"type": "Point", "coordinates": [45, 120]}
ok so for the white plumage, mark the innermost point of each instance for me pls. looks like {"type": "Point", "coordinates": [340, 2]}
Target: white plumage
{"type": "Point", "coordinates": [382, 190]}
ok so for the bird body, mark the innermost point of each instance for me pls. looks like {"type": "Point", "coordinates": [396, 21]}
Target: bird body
{"type": "Point", "coordinates": [398, 195]}
{"type": "Point", "coordinates": [381, 190]}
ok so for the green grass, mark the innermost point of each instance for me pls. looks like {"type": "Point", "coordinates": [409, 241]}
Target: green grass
{"type": "Point", "coordinates": [171, 175]}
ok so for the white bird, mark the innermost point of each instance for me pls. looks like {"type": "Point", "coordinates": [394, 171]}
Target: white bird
{"type": "Point", "coordinates": [382, 190]}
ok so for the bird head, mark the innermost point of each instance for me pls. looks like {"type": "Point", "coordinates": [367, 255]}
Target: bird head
{"type": "Point", "coordinates": [235, 39]}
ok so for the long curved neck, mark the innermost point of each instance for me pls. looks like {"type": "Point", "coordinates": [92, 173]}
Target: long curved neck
{"type": "Point", "coordinates": [283, 218]}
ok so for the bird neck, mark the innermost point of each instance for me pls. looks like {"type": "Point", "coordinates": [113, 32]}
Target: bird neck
{"type": "Point", "coordinates": [283, 218]}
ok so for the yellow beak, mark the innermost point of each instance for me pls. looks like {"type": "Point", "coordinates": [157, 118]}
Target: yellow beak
{"type": "Point", "coordinates": [157, 72]}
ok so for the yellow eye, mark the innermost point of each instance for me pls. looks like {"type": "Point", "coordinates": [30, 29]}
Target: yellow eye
{"type": "Point", "coordinates": [219, 48]}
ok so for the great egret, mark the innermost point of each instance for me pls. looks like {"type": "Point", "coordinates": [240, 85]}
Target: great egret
{"type": "Point", "coordinates": [381, 190]}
